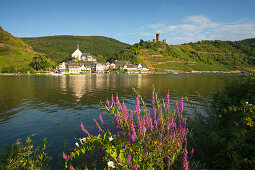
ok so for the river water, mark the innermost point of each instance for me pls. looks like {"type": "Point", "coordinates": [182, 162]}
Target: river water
{"type": "Point", "coordinates": [54, 106]}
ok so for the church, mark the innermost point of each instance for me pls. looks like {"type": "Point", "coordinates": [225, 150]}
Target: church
{"type": "Point", "coordinates": [79, 56]}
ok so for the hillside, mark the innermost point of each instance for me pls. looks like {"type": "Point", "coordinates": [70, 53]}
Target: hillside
{"type": "Point", "coordinates": [15, 54]}
{"type": "Point", "coordinates": [200, 56]}
{"type": "Point", "coordinates": [60, 48]}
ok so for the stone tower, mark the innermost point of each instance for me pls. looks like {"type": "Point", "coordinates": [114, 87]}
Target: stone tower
{"type": "Point", "coordinates": [158, 37]}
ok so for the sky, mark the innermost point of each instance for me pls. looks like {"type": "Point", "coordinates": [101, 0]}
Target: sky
{"type": "Point", "coordinates": [177, 21]}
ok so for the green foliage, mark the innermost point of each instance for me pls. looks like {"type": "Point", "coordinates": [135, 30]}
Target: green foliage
{"type": "Point", "coordinates": [200, 56]}
{"type": "Point", "coordinates": [144, 142]}
{"type": "Point", "coordinates": [60, 48]}
{"type": "Point", "coordinates": [25, 156]}
{"type": "Point", "coordinates": [14, 53]}
{"type": "Point", "coordinates": [225, 139]}
{"type": "Point", "coordinates": [41, 63]}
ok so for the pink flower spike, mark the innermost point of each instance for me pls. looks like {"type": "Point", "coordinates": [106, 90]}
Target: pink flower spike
{"type": "Point", "coordinates": [83, 129]}
{"type": "Point", "coordinates": [181, 105]}
{"type": "Point", "coordinates": [71, 167]}
{"type": "Point", "coordinates": [65, 156]}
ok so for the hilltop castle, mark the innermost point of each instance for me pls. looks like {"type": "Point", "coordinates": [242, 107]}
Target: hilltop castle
{"type": "Point", "coordinates": [155, 40]}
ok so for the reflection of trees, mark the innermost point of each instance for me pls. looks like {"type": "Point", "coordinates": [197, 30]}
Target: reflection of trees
{"type": "Point", "coordinates": [54, 93]}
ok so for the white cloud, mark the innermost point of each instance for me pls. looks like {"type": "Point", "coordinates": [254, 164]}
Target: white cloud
{"type": "Point", "coordinates": [197, 19]}
{"type": "Point", "coordinates": [155, 26]}
{"type": "Point", "coordinates": [199, 27]}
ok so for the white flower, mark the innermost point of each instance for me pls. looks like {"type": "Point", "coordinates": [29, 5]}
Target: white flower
{"type": "Point", "coordinates": [77, 144]}
{"type": "Point", "coordinates": [110, 138]}
{"type": "Point", "coordinates": [246, 102]}
{"type": "Point", "coordinates": [82, 140]}
{"type": "Point", "coordinates": [111, 164]}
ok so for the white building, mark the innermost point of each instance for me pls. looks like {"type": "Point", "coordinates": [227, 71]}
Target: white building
{"type": "Point", "coordinates": [77, 54]}
{"type": "Point", "coordinates": [100, 67]}
{"type": "Point", "coordinates": [62, 66]}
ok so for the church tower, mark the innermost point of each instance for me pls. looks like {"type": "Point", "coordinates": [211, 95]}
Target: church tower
{"type": "Point", "coordinates": [77, 54]}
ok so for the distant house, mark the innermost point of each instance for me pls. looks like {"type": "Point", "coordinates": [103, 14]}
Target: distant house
{"type": "Point", "coordinates": [88, 57]}
{"type": "Point", "coordinates": [74, 68]}
{"type": "Point", "coordinates": [131, 67]}
{"type": "Point", "coordinates": [77, 68]}
{"type": "Point", "coordinates": [62, 66]}
{"type": "Point", "coordinates": [121, 63]}
{"type": "Point", "coordinates": [101, 67]}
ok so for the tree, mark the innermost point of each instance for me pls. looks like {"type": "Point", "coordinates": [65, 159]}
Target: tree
{"type": "Point", "coordinates": [41, 63]}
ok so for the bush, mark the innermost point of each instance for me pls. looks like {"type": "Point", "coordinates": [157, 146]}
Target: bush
{"type": "Point", "coordinates": [145, 142]}
{"type": "Point", "coordinates": [24, 156]}
{"type": "Point", "coordinates": [226, 138]}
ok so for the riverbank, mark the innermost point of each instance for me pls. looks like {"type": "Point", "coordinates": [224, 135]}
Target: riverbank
{"type": "Point", "coordinates": [172, 72]}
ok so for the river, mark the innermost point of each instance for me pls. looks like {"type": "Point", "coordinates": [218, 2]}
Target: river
{"type": "Point", "coordinates": [54, 106]}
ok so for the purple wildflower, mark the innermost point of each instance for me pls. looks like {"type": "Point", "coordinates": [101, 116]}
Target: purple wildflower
{"type": "Point", "coordinates": [153, 97]}
{"type": "Point", "coordinates": [181, 105]}
{"type": "Point", "coordinates": [155, 117]}
{"type": "Point", "coordinates": [159, 119]}
{"type": "Point", "coordinates": [169, 164]}
{"type": "Point", "coordinates": [131, 117]}
{"type": "Point", "coordinates": [118, 102]}
{"type": "Point", "coordinates": [71, 167]}
{"type": "Point", "coordinates": [116, 126]}
{"type": "Point", "coordinates": [137, 109]}
{"type": "Point", "coordinates": [149, 121]}
{"type": "Point", "coordinates": [102, 121]}
{"type": "Point", "coordinates": [167, 102]}
{"type": "Point", "coordinates": [192, 152]}
{"type": "Point", "coordinates": [108, 103]}
{"type": "Point", "coordinates": [160, 141]}
{"type": "Point", "coordinates": [84, 130]}
{"type": "Point", "coordinates": [98, 127]}
{"type": "Point", "coordinates": [65, 156]}
{"type": "Point", "coordinates": [185, 161]}
{"type": "Point", "coordinates": [118, 117]}
{"type": "Point", "coordinates": [142, 127]}
{"type": "Point", "coordinates": [129, 160]}
{"type": "Point", "coordinates": [133, 136]}
{"type": "Point", "coordinates": [135, 166]}
{"type": "Point", "coordinates": [177, 109]}
{"type": "Point", "coordinates": [113, 102]}
{"type": "Point", "coordinates": [120, 160]}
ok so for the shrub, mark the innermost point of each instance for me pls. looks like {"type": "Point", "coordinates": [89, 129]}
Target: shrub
{"type": "Point", "coordinates": [143, 141]}
{"type": "Point", "coordinates": [225, 138]}
{"type": "Point", "coordinates": [24, 156]}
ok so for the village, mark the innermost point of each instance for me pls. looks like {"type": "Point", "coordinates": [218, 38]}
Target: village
{"type": "Point", "coordinates": [86, 63]}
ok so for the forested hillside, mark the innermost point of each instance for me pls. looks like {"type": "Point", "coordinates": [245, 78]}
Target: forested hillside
{"type": "Point", "coordinates": [201, 56]}
{"type": "Point", "coordinates": [60, 48]}
{"type": "Point", "coordinates": [14, 53]}
{"type": "Point", "coordinates": [18, 56]}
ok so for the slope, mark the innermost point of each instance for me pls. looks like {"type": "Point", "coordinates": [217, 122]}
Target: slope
{"type": "Point", "coordinates": [14, 53]}
{"type": "Point", "coordinates": [200, 56]}
{"type": "Point", "coordinates": [60, 48]}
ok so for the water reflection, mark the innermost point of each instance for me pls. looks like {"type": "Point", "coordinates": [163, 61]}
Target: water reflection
{"type": "Point", "coordinates": [54, 106]}
{"type": "Point", "coordinates": [78, 92]}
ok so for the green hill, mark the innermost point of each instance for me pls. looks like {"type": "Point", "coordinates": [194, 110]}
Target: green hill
{"type": "Point", "coordinates": [60, 48]}
{"type": "Point", "coordinates": [200, 56]}
{"type": "Point", "coordinates": [15, 54]}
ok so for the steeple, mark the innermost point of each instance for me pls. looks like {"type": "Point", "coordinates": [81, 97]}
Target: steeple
{"type": "Point", "coordinates": [77, 46]}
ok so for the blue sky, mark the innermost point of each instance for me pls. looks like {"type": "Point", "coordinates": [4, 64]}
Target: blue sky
{"type": "Point", "coordinates": [178, 21]}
